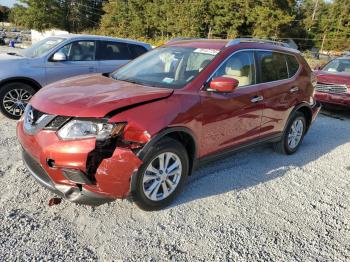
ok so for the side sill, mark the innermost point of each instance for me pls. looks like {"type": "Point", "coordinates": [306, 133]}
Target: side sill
{"type": "Point", "coordinates": [226, 152]}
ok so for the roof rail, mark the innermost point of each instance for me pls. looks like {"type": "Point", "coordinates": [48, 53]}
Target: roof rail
{"type": "Point", "coordinates": [185, 38]}
{"type": "Point", "coordinates": [255, 40]}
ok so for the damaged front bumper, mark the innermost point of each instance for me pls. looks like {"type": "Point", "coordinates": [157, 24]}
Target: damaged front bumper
{"type": "Point", "coordinates": [75, 194]}
{"type": "Point", "coordinates": [63, 168]}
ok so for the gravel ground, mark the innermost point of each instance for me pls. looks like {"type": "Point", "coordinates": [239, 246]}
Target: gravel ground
{"type": "Point", "coordinates": [254, 205]}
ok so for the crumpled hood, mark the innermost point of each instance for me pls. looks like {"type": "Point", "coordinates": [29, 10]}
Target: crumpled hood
{"type": "Point", "coordinates": [333, 78]}
{"type": "Point", "coordinates": [93, 96]}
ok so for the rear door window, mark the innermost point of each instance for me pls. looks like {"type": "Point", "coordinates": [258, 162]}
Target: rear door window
{"type": "Point", "coordinates": [109, 50]}
{"type": "Point", "coordinates": [136, 50]}
{"type": "Point", "coordinates": [272, 65]}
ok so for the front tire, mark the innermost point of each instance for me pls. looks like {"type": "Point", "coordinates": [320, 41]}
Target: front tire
{"type": "Point", "coordinates": [162, 175]}
{"type": "Point", "coordinates": [293, 135]}
{"type": "Point", "coordinates": [14, 97]}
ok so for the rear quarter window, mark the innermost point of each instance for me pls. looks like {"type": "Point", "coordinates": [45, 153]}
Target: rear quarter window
{"type": "Point", "coordinates": [293, 65]}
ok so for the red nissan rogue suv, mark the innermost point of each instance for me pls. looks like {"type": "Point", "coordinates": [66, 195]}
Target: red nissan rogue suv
{"type": "Point", "coordinates": [141, 130]}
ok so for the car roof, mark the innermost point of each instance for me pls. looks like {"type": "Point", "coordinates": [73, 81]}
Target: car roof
{"type": "Point", "coordinates": [220, 44]}
{"type": "Point", "coordinates": [98, 37]}
{"type": "Point", "coordinates": [199, 43]}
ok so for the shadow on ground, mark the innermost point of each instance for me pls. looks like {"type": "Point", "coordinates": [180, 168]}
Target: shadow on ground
{"type": "Point", "coordinates": [338, 112]}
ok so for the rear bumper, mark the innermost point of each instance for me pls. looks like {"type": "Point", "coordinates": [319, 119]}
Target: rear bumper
{"type": "Point", "coordinates": [337, 99]}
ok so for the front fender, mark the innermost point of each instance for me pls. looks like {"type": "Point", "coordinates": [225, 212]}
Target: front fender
{"type": "Point", "coordinates": [149, 121]}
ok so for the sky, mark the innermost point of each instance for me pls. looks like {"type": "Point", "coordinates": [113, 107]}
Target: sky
{"type": "Point", "coordinates": [8, 2]}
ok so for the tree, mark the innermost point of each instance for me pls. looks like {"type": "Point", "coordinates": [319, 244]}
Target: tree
{"type": "Point", "coordinates": [17, 15]}
{"type": "Point", "coordinates": [269, 22]}
{"type": "Point", "coordinates": [331, 22]}
{"type": "Point", "coordinates": [70, 15]}
{"type": "Point", "coordinates": [4, 13]}
{"type": "Point", "coordinates": [307, 21]}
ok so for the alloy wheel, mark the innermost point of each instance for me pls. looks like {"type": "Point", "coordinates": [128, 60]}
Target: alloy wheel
{"type": "Point", "coordinates": [15, 101]}
{"type": "Point", "coordinates": [295, 133]}
{"type": "Point", "coordinates": [162, 176]}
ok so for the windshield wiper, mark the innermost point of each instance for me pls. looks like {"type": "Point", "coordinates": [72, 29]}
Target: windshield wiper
{"type": "Point", "coordinates": [133, 81]}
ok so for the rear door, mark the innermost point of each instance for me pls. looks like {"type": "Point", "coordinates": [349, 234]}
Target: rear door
{"type": "Point", "coordinates": [112, 55]}
{"type": "Point", "coordinates": [279, 89]}
{"type": "Point", "coordinates": [80, 60]}
{"type": "Point", "coordinates": [231, 119]}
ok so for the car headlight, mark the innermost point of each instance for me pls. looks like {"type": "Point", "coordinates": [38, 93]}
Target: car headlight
{"type": "Point", "coordinates": [81, 129]}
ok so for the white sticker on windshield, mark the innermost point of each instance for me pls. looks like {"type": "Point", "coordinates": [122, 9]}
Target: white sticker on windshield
{"type": "Point", "coordinates": [206, 51]}
{"type": "Point", "coordinates": [168, 80]}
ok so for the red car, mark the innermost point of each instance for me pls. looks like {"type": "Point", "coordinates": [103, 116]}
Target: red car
{"type": "Point", "coordinates": [333, 82]}
{"type": "Point", "coordinates": [141, 130]}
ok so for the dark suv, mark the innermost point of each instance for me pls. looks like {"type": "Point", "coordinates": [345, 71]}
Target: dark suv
{"type": "Point", "coordinates": [142, 130]}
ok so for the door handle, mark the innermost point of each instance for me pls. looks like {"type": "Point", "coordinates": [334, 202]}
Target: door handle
{"type": "Point", "coordinates": [294, 89]}
{"type": "Point", "coordinates": [256, 99]}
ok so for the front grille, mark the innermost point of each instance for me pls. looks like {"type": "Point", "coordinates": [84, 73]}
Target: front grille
{"type": "Point", "coordinates": [34, 120]}
{"type": "Point", "coordinates": [335, 89]}
{"type": "Point", "coordinates": [36, 169]}
{"type": "Point", "coordinates": [37, 114]}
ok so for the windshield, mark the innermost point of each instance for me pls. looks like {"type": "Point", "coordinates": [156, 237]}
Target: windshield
{"type": "Point", "coordinates": [338, 66]}
{"type": "Point", "coordinates": [169, 67]}
{"type": "Point", "coordinates": [42, 47]}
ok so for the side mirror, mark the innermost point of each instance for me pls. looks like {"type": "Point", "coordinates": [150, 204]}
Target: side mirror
{"type": "Point", "coordinates": [223, 84]}
{"type": "Point", "coordinates": [59, 57]}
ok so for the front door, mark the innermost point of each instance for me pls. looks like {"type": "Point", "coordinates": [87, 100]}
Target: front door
{"type": "Point", "coordinates": [231, 119]}
{"type": "Point", "coordinates": [80, 60]}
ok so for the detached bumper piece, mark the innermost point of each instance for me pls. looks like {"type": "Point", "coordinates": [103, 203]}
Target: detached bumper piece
{"type": "Point", "coordinates": [76, 194]}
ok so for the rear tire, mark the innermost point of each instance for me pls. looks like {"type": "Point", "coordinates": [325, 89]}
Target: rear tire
{"type": "Point", "coordinates": [14, 98]}
{"type": "Point", "coordinates": [293, 135]}
{"type": "Point", "coordinates": [162, 175]}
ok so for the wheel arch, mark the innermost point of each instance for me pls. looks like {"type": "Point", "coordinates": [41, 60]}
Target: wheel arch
{"type": "Point", "coordinates": [304, 108]}
{"type": "Point", "coordinates": [29, 81]}
{"type": "Point", "coordinates": [183, 135]}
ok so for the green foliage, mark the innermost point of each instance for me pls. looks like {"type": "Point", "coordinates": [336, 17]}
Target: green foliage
{"type": "Point", "coordinates": [4, 13]}
{"type": "Point", "coordinates": [70, 15]}
{"type": "Point", "coordinates": [158, 20]}
{"type": "Point", "coordinates": [16, 15]}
